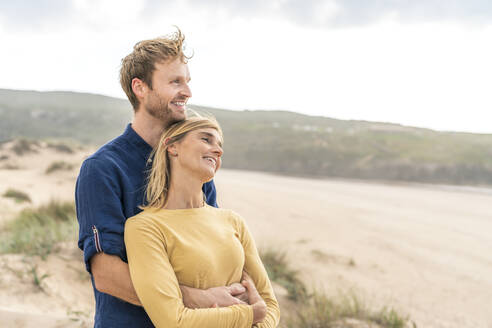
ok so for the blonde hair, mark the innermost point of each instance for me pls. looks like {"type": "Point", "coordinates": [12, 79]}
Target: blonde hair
{"type": "Point", "coordinates": [141, 62]}
{"type": "Point", "coordinates": [156, 194]}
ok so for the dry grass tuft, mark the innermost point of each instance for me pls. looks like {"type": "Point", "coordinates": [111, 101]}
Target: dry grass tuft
{"type": "Point", "coordinates": [17, 195]}
{"type": "Point", "coordinates": [318, 310]}
{"type": "Point", "coordinates": [279, 271]}
{"type": "Point", "coordinates": [61, 147]}
{"type": "Point", "coordinates": [58, 166]}
{"type": "Point", "coordinates": [23, 146]}
{"type": "Point", "coordinates": [37, 231]}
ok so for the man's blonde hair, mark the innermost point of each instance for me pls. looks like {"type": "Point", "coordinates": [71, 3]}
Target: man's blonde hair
{"type": "Point", "coordinates": [141, 62]}
{"type": "Point", "coordinates": [158, 182]}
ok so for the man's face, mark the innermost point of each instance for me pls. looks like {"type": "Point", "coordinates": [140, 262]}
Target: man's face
{"type": "Point", "coordinates": [170, 92]}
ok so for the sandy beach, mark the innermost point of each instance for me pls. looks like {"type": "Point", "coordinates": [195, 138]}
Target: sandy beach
{"type": "Point", "coordinates": [424, 250]}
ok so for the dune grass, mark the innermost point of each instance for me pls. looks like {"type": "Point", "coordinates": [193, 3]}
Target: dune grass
{"type": "Point", "coordinates": [58, 166]}
{"type": "Point", "coordinates": [279, 270]}
{"type": "Point", "coordinates": [318, 310]}
{"type": "Point", "coordinates": [23, 146]}
{"type": "Point", "coordinates": [18, 195]}
{"type": "Point", "coordinates": [37, 231]}
{"type": "Point", "coordinates": [60, 147]}
{"type": "Point", "coordinates": [321, 311]}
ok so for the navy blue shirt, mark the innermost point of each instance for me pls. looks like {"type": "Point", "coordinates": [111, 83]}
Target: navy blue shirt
{"type": "Point", "coordinates": [109, 189]}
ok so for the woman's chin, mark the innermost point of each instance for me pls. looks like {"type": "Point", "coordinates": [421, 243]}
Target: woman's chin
{"type": "Point", "coordinates": [208, 176]}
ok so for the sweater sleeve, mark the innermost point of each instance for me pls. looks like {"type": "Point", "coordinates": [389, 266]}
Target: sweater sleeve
{"type": "Point", "coordinates": [158, 289]}
{"type": "Point", "coordinates": [254, 267]}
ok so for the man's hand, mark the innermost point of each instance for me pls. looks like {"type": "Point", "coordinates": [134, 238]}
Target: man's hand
{"type": "Point", "coordinates": [194, 298]}
{"type": "Point", "coordinates": [259, 306]}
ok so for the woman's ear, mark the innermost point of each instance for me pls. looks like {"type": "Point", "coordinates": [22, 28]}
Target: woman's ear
{"type": "Point", "coordinates": [172, 150]}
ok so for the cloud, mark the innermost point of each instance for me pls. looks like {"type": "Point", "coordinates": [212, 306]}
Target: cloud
{"type": "Point", "coordinates": [34, 14]}
{"type": "Point", "coordinates": [346, 12]}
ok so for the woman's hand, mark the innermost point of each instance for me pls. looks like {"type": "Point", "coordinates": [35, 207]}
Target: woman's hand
{"type": "Point", "coordinates": [194, 298]}
{"type": "Point", "coordinates": [259, 306]}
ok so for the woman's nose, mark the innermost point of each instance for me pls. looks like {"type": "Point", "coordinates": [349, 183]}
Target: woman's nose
{"type": "Point", "coordinates": [218, 150]}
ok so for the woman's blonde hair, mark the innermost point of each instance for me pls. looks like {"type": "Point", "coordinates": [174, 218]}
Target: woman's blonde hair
{"type": "Point", "coordinates": [158, 180]}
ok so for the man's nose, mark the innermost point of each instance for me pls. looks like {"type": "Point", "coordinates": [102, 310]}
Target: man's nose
{"type": "Point", "coordinates": [186, 91]}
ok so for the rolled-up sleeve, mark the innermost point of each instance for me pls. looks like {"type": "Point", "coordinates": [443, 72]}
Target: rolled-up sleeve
{"type": "Point", "coordinates": [99, 210]}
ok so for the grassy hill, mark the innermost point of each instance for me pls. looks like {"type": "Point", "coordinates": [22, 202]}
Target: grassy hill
{"type": "Point", "coordinates": [272, 141]}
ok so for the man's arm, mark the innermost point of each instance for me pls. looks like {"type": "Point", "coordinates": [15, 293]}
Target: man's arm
{"type": "Point", "coordinates": [112, 276]}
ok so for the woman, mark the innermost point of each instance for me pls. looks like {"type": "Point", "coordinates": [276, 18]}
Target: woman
{"type": "Point", "coordinates": [178, 239]}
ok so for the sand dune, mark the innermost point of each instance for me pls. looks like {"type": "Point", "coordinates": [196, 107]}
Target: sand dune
{"type": "Point", "coordinates": [423, 249]}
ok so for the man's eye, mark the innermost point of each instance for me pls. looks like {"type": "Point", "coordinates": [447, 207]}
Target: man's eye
{"type": "Point", "coordinates": [206, 139]}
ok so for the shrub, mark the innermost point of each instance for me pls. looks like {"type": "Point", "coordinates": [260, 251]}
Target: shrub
{"type": "Point", "coordinates": [57, 166]}
{"type": "Point", "coordinates": [23, 146]}
{"type": "Point", "coordinates": [317, 310]}
{"type": "Point", "coordinates": [61, 147]}
{"type": "Point", "coordinates": [279, 271]}
{"type": "Point", "coordinates": [322, 311]}
{"type": "Point", "coordinates": [18, 195]}
{"type": "Point", "coordinates": [36, 231]}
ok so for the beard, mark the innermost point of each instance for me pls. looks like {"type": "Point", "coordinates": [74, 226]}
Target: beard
{"type": "Point", "coordinates": [159, 109]}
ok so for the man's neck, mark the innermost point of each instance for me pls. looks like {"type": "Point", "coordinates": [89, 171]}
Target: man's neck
{"type": "Point", "coordinates": [148, 127]}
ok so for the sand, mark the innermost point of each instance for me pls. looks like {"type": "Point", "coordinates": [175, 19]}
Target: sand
{"type": "Point", "coordinates": [422, 249]}
{"type": "Point", "coordinates": [425, 250]}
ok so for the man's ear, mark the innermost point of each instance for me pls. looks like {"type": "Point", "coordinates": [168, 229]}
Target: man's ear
{"type": "Point", "coordinates": [139, 88]}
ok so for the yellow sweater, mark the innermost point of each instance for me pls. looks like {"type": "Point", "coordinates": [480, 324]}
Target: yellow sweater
{"type": "Point", "coordinates": [201, 248]}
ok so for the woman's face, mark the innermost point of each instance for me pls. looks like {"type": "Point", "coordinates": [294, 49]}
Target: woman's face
{"type": "Point", "coordinates": [198, 153]}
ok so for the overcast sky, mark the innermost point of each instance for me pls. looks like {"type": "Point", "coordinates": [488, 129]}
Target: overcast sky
{"type": "Point", "coordinates": [425, 63]}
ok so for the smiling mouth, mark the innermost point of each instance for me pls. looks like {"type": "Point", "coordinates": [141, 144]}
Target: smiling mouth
{"type": "Point", "coordinates": [179, 104]}
{"type": "Point", "coordinates": [211, 160]}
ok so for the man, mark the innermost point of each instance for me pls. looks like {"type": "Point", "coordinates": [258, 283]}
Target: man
{"type": "Point", "coordinates": [111, 183]}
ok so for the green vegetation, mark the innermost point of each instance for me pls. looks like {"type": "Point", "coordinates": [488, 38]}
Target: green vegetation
{"type": "Point", "coordinates": [37, 278]}
{"type": "Point", "coordinates": [57, 166]}
{"type": "Point", "coordinates": [36, 231]}
{"type": "Point", "coordinates": [23, 146]}
{"type": "Point", "coordinates": [278, 270]}
{"type": "Point", "coordinates": [61, 147]}
{"type": "Point", "coordinates": [18, 195]}
{"type": "Point", "coordinates": [317, 310]}
{"type": "Point", "coordinates": [322, 311]}
{"type": "Point", "coordinates": [86, 118]}
{"type": "Point", "coordinates": [271, 141]}
{"type": "Point", "coordinates": [81, 317]}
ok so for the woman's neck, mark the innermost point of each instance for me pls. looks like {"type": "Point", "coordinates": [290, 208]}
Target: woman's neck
{"type": "Point", "coordinates": [184, 192]}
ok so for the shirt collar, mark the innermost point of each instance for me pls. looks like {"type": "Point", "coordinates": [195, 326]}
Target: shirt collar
{"type": "Point", "coordinates": [133, 138]}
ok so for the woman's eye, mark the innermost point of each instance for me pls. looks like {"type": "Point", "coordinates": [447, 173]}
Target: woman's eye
{"type": "Point", "coordinates": [206, 139]}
